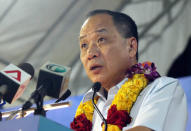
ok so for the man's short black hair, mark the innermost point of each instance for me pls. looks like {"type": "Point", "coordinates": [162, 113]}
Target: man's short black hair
{"type": "Point", "coordinates": [124, 23]}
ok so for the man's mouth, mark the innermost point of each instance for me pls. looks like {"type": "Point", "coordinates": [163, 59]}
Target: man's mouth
{"type": "Point", "coordinates": [95, 67]}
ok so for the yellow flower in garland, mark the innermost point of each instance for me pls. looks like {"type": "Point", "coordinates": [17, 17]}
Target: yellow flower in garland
{"type": "Point", "coordinates": [139, 80]}
{"type": "Point", "coordinates": [86, 108]}
{"type": "Point", "coordinates": [129, 92]}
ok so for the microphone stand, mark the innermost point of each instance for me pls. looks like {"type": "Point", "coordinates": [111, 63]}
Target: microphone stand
{"type": "Point", "coordinates": [3, 89]}
{"type": "Point", "coordinates": [1, 104]}
{"type": "Point", "coordinates": [37, 96]}
{"type": "Point", "coordinates": [96, 88]}
{"type": "Point", "coordinates": [39, 102]}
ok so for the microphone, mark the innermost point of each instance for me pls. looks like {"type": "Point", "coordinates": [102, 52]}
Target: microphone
{"type": "Point", "coordinates": [54, 78]}
{"type": "Point", "coordinates": [13, 81]}
{"type": "Point", "coordinates": [52, 81]}
{"type": "Point", "coordinates": [65, 95]}
{"type": "Point", "coordinates": [96, 87]}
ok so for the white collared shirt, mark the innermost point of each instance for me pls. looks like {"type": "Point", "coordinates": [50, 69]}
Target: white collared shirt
{"type": "Point", "coordinates": [161, 106]}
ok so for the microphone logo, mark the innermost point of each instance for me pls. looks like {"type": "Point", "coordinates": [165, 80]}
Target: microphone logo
{"type": "Point", "coordinates": [12, 72]}
{"type": "Point", "coordinates": [56, 68]}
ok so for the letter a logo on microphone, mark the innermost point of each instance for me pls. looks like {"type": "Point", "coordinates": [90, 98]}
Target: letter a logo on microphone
{"type": "Point", "coordinates": [18, 74]}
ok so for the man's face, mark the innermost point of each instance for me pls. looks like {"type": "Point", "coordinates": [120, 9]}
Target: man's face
{"type": "Point", "coordinates": [105, 54]}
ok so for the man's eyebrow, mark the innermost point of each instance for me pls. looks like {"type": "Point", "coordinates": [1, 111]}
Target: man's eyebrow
{"type": "Point", "coordinates": [81, 37]}
{"type": "Point", "coordinates": [102, 30]}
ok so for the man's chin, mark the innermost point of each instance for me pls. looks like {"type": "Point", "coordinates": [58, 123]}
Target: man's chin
{"type": "Point", "coordinates": [98, 78]}
{"type": "Point", "coordinates": [94, 80]}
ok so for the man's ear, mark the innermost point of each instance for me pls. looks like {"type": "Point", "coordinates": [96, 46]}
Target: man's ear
{"type": "Point", "coordinates": [132, 45]}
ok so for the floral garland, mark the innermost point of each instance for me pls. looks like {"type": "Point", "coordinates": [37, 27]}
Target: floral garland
{"type": "Point", "coordinates": [139, 76]}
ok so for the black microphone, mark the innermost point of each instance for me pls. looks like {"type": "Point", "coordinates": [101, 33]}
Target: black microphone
{"type": "Point", "coordinates": [52, 81]}
{"type": "Point", "coordinates": [64, 96]}
{"type": "Point", "coordinates": [96, 87]}
{"type": "Point", "coordinates": [13, 81]}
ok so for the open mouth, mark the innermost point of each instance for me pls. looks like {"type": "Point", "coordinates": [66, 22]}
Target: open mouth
{"type": "Point", "coordinates": [95, 67]}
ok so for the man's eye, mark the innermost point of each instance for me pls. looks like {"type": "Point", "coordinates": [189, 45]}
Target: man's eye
{"type": "Point", "coordinates": [84, 45]}
{"type": "Point", "coordinates": [101, 40]}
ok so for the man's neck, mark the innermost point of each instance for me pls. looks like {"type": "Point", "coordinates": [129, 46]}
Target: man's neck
{"type": "Point", "coordinates": [115, 81]}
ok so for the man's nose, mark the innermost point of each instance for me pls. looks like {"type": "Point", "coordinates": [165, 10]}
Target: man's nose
{"type": "Point", "coordinates": [93, 52]}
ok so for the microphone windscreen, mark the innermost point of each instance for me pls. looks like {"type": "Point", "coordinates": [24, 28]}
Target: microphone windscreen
{"type": "Point", "coordinates": [96, 86]}
{"type": "Point", "coordinates": [28, 68]}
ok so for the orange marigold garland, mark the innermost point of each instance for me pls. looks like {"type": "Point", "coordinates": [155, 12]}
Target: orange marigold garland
{"type": "Point", "coordinates": [118, 116]}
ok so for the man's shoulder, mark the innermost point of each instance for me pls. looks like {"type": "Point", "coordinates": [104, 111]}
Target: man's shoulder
{"type": "Point", "coordinates": [164, 83]}
{"type": "Point", "coordinates": [165, 80]}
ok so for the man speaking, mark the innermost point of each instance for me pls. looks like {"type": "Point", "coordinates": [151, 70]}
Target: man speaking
{"type": "Point", "coordinates": [133, 96]}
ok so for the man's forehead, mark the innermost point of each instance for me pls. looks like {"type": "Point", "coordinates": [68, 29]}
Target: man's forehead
{"type": "Point", "coordinates": [100, 30]}
{"type": "Point", "coordinates": [95, 24]}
